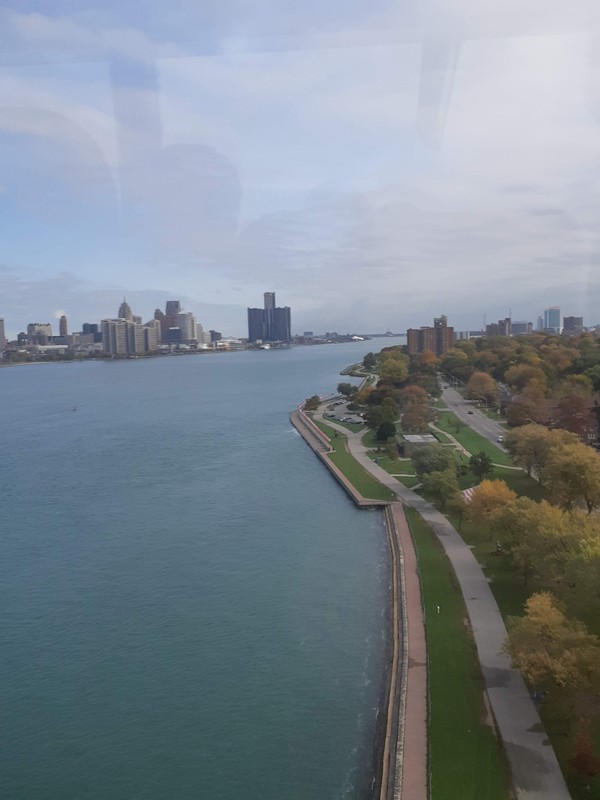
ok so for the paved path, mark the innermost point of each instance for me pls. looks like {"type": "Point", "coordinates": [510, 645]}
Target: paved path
{"type": "Point", "coordinates": [536, 774]}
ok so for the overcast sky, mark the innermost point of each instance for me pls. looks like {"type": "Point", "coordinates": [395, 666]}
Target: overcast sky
{"type": "Point", "coordinates": [374, 163]}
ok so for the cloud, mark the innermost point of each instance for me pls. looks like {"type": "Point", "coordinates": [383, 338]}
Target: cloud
{"type": "Point", "coordinates": [302, 169]}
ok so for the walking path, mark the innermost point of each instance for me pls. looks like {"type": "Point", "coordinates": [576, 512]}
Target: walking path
{"type": "Point", "coordinates": [536, 774]}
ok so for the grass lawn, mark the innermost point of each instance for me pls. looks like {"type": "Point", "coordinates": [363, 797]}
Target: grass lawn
{"type": "Point", "coordinates": [399, 466]}
{"type": "Point", "coordinates": [472, 441]}
{"type": "Point", "coordinates": [359, 426]}
{"type": "Point", "coordinates": [410, 481]}
{"type": "Point", "coordinates": [356, 474]}
{"type": "Point", "coordinates": [466, 761]}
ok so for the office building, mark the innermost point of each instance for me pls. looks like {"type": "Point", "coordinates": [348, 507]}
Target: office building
{"type": "Point", "coordinates": [125, 311]}
{"type": "Point", "coordinates": [2, 335]}
{"type": "Point", "coordinates": [215, 336]}
{"type": "Point", "coordinates": [271, 323]}
{"type": "Point", "coordinates": [572, 326]}
{"type": "Point", "coordinates": [186, 322]}
{"type": "Point", "coordinates": [63, 329]}
{"type": "Point", "coordinates": [521, 328]}
{"type": "Point", "coordinates": [552, 319]}
{"type": "Point", "coordinates": [438, 339]}
{"type": "Point", "coordinates": [39, 333]}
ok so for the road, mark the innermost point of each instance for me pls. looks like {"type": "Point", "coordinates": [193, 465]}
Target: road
{"type": "Point", "coordinates": [481, 424]}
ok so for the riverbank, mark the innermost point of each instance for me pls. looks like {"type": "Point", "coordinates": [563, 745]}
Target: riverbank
{"type": "Point", "coordinates": [401, 772]}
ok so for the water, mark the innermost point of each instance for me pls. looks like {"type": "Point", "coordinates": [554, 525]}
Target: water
{"type": "Point", "coordinates": [191, 608]}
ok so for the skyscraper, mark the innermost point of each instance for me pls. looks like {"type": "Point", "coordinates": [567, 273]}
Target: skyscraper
{"type": "Point", "coordinates": [62, 326]}
{"type": "Point", "coordinates": [125, 311]}
{"type": "Point", "coordinates": [2, 335]}
{"type": "Point", "coordinates": [552, 319]}
{"type": "Point", "coordinates": [270, 324]}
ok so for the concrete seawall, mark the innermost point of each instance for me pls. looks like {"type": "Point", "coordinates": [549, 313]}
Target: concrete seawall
{"type": "Point", "coordinates": [402, 767]}
{"type": "Point", "coordinates": [319, 442]}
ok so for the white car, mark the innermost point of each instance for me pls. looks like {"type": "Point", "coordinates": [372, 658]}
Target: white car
{"type": "Point", "coordinates": [500, 438]}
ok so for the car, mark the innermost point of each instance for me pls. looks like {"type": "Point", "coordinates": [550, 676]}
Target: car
{"type": "Point", "coordinates": [500, 438]}
{"type": "Point", "coordinates": [469, 412]}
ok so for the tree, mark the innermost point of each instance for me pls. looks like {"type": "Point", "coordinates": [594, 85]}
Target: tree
{"type": "Point", "coordinates": [457, 506]}
{"type": "Point", "coordinates": [488, 499]}
{"type": "Point", "coordinates": [347, 389]}
{"type": "Point", "coordinates": [394, 370]}
{"type": "Point", "coordinates": [370, 361]}
{"type": "Point", "coordinates": [584, 760]}
{"type": "Point", "coordinates": [530, 445]}
{"type": "Point", "coordinates": [572, 473]}
{"type": "Point", "coordinates": [481, 385]}
{"type": "Point", "coordinates": [520, 375]}
{"type": "Point", "coordinates": [551, 649]}
{"type": "Point", "coordinates": [432, 458]}
{"type": "Point", "coordinates": [312, 403]}
{"type": "Point", "coordinates": [385, 431]}
{"type": "Point", "coordinates": [415, 419]}
{"type": "Point", "coordinates": [387, 411]}
{"type": "Point", "coordinates": [440, 486]}
{"type": "Point", "coordinates": [480, 464]}
{"type": "Point", "coordinates": [574, 413]}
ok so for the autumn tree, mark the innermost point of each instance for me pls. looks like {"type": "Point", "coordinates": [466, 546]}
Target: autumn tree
{"type": "Point", "coordinates": [415, 419]}
{"type": "Point", "coordinates": [480, 464]}
{"type": "Point", "coordinates": [440, 486]}
{"type": "Point", "coordinates": [312, 403]}
{"type": "Point", "coordinates": [574, 414]}
{"type": "Point", "coordinates": [519, 375]}
{"type": "Point", "coordinates": [481, 385]}
{"type": "Point", "coordinates": [572, 473]}
{"type": "Point", "coordinates": [530, 445]}
{"type": "Point", "coordinates": [584, 760]}
{"type": "Point", "coordinates": [551, 649]}
{"type": "Point", "coordinates": [488, 499]}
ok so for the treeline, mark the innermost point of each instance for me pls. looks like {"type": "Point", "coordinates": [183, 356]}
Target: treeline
{"type": "Point", "coordinates": [402, 391]}
{"type": "Point", "coordinates": [547, 378]}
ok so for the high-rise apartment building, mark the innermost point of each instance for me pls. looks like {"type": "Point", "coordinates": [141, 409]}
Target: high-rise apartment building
{"type": "Point", "coordinates": [270, 324]}
{"type": "Point", "coordinates": [501, 328]}
{"type": "Point", "coordinates": [438, 339]}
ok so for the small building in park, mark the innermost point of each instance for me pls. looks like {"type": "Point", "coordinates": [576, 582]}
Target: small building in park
{"type": "Point", "coordinates": [408, 441]}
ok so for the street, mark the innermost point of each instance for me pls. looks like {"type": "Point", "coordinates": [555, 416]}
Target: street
{"type": "Point", "coordinates": [479, 422]}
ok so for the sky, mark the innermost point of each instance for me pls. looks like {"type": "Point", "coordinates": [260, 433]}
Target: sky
{"type": "Point", "coordinates": [374, 163]}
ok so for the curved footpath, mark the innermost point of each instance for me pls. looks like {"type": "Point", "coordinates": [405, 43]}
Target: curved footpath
{"type": "Point", "coordinates": [535, 772]}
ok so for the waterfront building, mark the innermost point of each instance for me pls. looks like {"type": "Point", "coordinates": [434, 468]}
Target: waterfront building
{"type": "Point", "coordinates": [63, 329]}
{"type": "Point", "coordinates": [438, 339]}
{"type": "Point", "coordinates": [39, 333]}
{"type": "Point", "coordinates": [270, 324]}
{"type": "Point", "coordinates": [2, 335]}
{"type": "Point", "coordinates": [215, 336]}
{"type": "Point", "coordinates": [114, 336]}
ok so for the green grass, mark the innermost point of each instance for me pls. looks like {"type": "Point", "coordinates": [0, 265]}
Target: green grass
{"type": "Point", "coordinates": [470, 440]}
{"type": "Point", "coordinates": [351, 426]}
{"type": "Point", "coordinates": [356, 474]}
{"type": "Point", "coordinates": [466, 761]}
{"type": "Point", "coordinates": [410, 481]}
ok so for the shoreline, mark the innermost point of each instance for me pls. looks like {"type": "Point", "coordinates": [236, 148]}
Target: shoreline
{"type": "Point", "coordinates": [406, 661]}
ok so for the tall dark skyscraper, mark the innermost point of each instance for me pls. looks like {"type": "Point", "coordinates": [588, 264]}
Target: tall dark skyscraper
{"type": "Point", "coordinates": [62, 326]}
{"type": "Point", "coordinates": [270, 324]}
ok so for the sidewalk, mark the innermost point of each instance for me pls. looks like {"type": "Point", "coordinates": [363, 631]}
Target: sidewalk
{"type": "Point", "coordinates": [536, 774]}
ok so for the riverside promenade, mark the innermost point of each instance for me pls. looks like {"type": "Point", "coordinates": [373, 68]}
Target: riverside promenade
{"type": "Point", "coordinates": [535, 772]}
{"type": "Point", "coordinates": [404, 756]}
